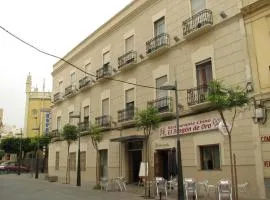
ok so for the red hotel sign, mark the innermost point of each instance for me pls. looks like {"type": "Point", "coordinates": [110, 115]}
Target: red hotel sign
{"type": "Point", "coordinates": [190, 127]}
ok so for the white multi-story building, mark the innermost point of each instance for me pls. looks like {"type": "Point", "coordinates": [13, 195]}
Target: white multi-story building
{"type": "Point", "coordinates": [150, 43]}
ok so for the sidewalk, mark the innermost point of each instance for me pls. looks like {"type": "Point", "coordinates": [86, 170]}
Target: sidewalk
{"type": "Point", "coordinates": [135, 192]}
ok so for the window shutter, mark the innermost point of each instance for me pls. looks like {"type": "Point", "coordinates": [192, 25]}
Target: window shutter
{"type": "Point", "coordinates": [105, 106]}
{"type": "Point", "coordinates": [106, 57]}
{"type": "Point", "coordinates": [129, 95]}
{"type": "Point", "coordinates": [129, 43]}
{"type": "Point", "coordinates": [159, 82]}
{"type": "Point", "coordinates": [197, 5]}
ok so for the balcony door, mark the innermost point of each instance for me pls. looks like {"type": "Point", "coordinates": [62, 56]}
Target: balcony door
{"type": "Point", "coordinates": [204, 72]}
{"type": "Point", "coordinates": [159, 26]}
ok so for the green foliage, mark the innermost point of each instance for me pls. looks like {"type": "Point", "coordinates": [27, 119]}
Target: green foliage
{"type": "Point", "coordinates": [148, 119]}
{"type": "Point", "coordinates": [223, 98]}
{"type": "Point", "coordinates": [95, 135]}
{"type": "Point", "coordinates": [70, 132]}
{"type": "Point", "coordinates": [2, 153]}
{"type": "Point", "coordinates": [97, 187]}
{"type": "Point", "coordinates": [10, 145]}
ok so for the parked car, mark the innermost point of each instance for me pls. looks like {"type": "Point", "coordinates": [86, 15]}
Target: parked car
{"type": "Point", "coordinates": [12, 166]}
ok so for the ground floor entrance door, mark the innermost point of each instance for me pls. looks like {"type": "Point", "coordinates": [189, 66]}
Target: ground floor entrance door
{"type": "Point", "coordinates": [165, 163]}
{"type": "Point", "coordinates": [103, 163]}
{"type": "Point", "coordinates": [134, 161]}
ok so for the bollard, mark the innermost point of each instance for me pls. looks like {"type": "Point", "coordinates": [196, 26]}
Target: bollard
{"type": "Point", "coordinates": [160, 194]}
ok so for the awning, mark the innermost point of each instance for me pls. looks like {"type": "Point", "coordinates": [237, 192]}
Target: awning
{"type": "Point", "coordinates": [128, 138]}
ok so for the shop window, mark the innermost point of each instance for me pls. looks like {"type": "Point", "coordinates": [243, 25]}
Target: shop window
{"type": "Point", "coordinates": [210, 157]}
{"type": "Point", "coordinates": [83, 160]}
{"type": "Point", "coordinates": [57, 160]}
{"type": "Point", "coordinates": [72, 161]}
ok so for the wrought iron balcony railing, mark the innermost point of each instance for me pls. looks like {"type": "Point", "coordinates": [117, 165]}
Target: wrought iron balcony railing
{"type": "Point", "coordinates": [83, 126]}
{"type": "Point", "coordinates": [103, 121]}
{"type": "Point", "coordinates": [126, 114]}
{"type": "Point", "coordinates": [54, 133]}
{"type": "Point", "coordinates": [104, 71]}
{"type": "Point", "coordinates": [157, 42]}
{"type": "Point", "coordinates": [70, 89]}
{"type": "Point", "coordinates": [197, 95]}
{"type": "Point", "coordinates": [84, 82]}
{"type": "Point", "coordinates": [197, 21]}
{"type": "Point", "coordinates": [57, 96]}
{"type": "Point", "coordinates": [163, 104]}
{"type": "Point", "coordinates": [127, 58]}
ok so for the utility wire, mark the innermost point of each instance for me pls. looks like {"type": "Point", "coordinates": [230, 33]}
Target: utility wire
{"type": "Point", "coordinates": [62, 59]}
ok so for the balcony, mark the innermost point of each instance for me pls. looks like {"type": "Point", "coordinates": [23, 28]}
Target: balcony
{"type": "Point", "coordinates": [163, 105]}
{"type": "Point", "coordinates": [158, 45]}
{"type": "Point", "coordinates": [197, 24]}
{"type": "Point", "coordinates": [84, 126]}
{"type": "Point", "coordinates": [127, 60]}
{"type": "Point", "coordinates": [104, 121]}
{"type": "Point", "coordinates": [126, 116]}
{"type": "Point", "coordinates": [55, 135]}
{"type": "Point", "coordinates": [70, 91]}
{"type": "Point", "coordinates": [57, 97]}
{"type": "Point", "coordinates": [85, 83]}
{"type": "Point", "coordinates": [103, 72]}
{"type": "Point", "coordinates": [197, 97]}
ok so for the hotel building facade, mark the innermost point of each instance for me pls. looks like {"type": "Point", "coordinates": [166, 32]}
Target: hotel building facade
{"type": "Point", "coordinates": [120, 66]}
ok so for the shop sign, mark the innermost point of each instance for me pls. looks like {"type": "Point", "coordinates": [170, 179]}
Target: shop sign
{"type": "Point", "coordinates": [267, 163]}
{"type": "Point", "coordinates": [158, 145]}
{"type": "Point", "coordinates": [190, 127]}
{"type": "Point", "coordinates": [265, 138]}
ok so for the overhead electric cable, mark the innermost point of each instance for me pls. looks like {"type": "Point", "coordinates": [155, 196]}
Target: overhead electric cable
{"type": "Point", "coordinates": [71, 64]}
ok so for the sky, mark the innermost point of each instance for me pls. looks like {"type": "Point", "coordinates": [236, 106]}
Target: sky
{"type": "Point", "coordinates": [55, 26]}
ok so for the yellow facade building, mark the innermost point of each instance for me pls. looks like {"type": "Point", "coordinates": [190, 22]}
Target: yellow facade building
{"type": "Point", "coordinates": [37, 111]}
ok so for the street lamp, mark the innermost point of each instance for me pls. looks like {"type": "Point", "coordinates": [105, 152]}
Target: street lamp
{"type": "Point", "coordinates": [37, 155]}
{"type": "Point", "coordinates": [79, 151]}
{"type": "Point", "coordinates": [180, 191]}
{"type": "Point", "coordinates": [20, 156]}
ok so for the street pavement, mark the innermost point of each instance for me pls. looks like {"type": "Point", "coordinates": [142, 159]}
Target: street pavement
{"type": "Point", "coordinates": [14, 187]}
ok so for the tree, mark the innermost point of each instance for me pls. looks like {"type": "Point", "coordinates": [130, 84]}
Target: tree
{"type": "Point", "coordinates": [96, 137]}
{"type": "Point", "coordinates": [148, 120]}
{"type": "Point", "coordinates": [222, 99]}
{"type": "Point", "coordinates": [69, 134]}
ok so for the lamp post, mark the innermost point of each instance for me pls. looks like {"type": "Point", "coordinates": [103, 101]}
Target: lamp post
{"type": "Point", "coordinates": [180, 191]}
{"type": "Point", "coordinates": [20, 156]}
{"type": "Point", "coordinates": [79, 151]}
{"type": "Point", "coordinates": [37, 155]}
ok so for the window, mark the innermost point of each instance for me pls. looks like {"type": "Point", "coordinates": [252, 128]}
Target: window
{"type": "Point", "coordinates": [105, 106]}
{"type": "Point", "coordinates": [86, 114]}
{"type": "Point", "coordinates": [204, 72]}
{"type": "Point", "coordinates": [159, 26]}
{"type": "Point", "coordinates": [83, 160]}
{"type": "Point", "coordinates": [197, 5]}
{"type": "Point", "coordinates": [70, 119]}
{"type": "Point", "coordinates": [129, 104]}
{"type": "Point", "coordinates": [159, 82]}
{"type": "Point", "coordinates": [103, 163]}
{"type": "Point", "coordinates": [72, 161]}
{"type": "Point", "coordinates": [73, 78]}
{"type": "Point", "coordinates": [58, 123]}
{"type": "Point", "coordinates": [106, 58]}
{"type": "Point", "coordinates": [60, 86]}
{"type": "Point", "coordinates": [57, 160]}
{"type": "Point", "coordinates": [210, 157]}
{"type": "Point", "coordinates": [129, 44]}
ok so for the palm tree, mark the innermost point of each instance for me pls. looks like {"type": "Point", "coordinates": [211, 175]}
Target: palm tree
{"type": "Point", "coordinates": [69, 134]}
{"type": "Point", "coordinates": [148, 120]}
{"type": "Point", "coordinates": [96, 137]}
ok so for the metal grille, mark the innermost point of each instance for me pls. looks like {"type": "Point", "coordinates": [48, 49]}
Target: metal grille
{"type": "Point", "coordinates": [157, 42]}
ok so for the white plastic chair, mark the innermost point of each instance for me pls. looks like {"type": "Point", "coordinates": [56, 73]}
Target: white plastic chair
{"type": "Point", "coordinates": [173, 183]}
{"type": "Point", "coordinates": [104, 183]}
{"type": "Point", "coordinates": [161, 185]}
{"type": "Point", "coordinates": [190, 187]}
{"type": "Point", "coordinates": [224, 189]}
{"type": "Point", "coordinates": [242, 187]}
{"type": "Point", "coordinates": [203, 184]}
